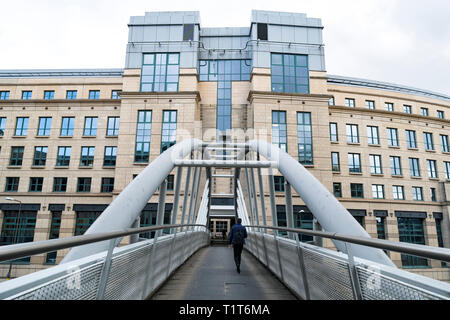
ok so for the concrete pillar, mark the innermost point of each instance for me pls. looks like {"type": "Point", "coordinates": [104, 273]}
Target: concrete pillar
{"type": "Point", "coordinates": [41, 232]}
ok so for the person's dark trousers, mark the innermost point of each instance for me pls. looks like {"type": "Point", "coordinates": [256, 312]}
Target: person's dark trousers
{"type": "Point", "coordinates": [237, 248]}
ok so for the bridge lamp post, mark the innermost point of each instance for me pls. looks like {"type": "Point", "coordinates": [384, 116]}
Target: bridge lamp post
{"type": "Point", "coordinates": [8, 276]}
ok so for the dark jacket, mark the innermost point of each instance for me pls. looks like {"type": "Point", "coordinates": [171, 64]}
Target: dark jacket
{"type": "Point", "coordinates": [234, 230]}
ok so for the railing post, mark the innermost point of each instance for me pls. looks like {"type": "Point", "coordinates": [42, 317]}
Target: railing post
{"type": "Point", "coordinates": [255, 204]}
{"type": "Point", "coordinates": [171, 252]}
{"type": "Point", "coordinates": [185, 197]}
{"type": "Point", "coordinates": [301, 261]}
{"type": "Point", "coordinates": [250, 204]}
{"type": "Point", "coordinates": [289, 208]}
{"type": "Point", "coordinates": [278, 255]}
{"type": "Point", "coordinates": [161, 206]}
{"type": "Point", "coordinates": [176, 196]}
{"type": "Point", "coordinates": [196, 196]}
{"type": "Point", "coordinates": [357, 295]}
{"type": "Point", "coordinates": [192, 197]}
{"type": "Point", "coordinates": [318, 241]}
{"type": "Point", "coordinates": [273, 207]}
{"type": "Point", "coordinates": [136, 224]}
{"type": "Point", "coordinates": [105, 271]}
{"type": "Point", "coordinates": [263, 209]}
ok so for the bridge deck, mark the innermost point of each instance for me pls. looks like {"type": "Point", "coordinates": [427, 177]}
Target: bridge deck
{"type": "Point", "coordinates": [210, 274]}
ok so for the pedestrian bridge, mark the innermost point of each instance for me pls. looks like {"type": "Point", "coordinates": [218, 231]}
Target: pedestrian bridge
{"type": "Point", "coordinates": [180, 262]}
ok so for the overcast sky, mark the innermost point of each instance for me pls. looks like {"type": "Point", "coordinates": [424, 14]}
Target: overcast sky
{"type": "Point", "coordinates": [401, 41]}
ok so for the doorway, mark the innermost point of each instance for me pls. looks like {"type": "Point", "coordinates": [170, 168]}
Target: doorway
{"type": "Point", "coordinates": [220, 227]}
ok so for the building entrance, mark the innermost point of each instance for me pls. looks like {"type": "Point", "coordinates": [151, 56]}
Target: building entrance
{"type": "Point", "coordinates": [220, 227]}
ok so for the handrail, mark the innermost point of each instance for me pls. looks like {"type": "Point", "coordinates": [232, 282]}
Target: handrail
{"type": "Point", "coordinates": [29, 249]}
{"type": "Point", "coordinates": [409, 248]}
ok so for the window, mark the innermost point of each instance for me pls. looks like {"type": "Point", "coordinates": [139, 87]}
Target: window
{"type": "Point", "coordinates": [396, 166]}
{"type": "Point", "coordinates": [16, 156]}
{"type": "Point", "coordinates": [170, 182]}
{"type": "Point", "coordinates": [398, 192]}
{"type": "Point", "coordinates": [381, 227]}
{"type": "Point", "coordinates": [84, 185]}
{"type": "Point", "coordinates": [407, 109]}
{"type": "Point", "coordinates": [36, 184]}
{"type": "Point", "coordinates": [21, 126]}
{"type": "Point", "coordinates": [304, 135]}
{"type": "Point", "coordinates": [389, 106]}
{"type": "Point", "coordinates": [59, 184]}
{"type": "Point", "coordinates": [444, 143]}
{"type": "Point", "coordinates": [378, 191]}
{"type": "Point", "coordinates": [279, 183]}
{"type": "Point", "coordinates": [225, 71]}
{"type": "Point", "coordinates": [440, 114]}
{"type": "Point", "coordinates": [45, 125]}
{"type": "Point", "coordinates": [55, 225]}
{"type": "Point", "coordinates": [26, 95]}
{"type": "Point", "coordinates": [49, 95]}
{"type": "Point", "coordinates": [63, 157]}
{"type": "Point", "coordinates": [370, 105]}
{"type": "Point", "coordinates": [12, 184]}
{"type": "Point", "coordinates": [113, 126]}
{"type": "Point", "coordinates": [414, 167]}
{"type": "Point", "coordinates": [115, 94]}
{"type": "Point", "coordinates": [433, 194]}
{"type": "Point", "coordinates": [143, 134]}
{"type": "Point", "coordinates": [392, 137]}
{"type": "Point", "coordinates": [84, 220]}
{"type": "Point", "coordinates": [67, 126]}
{"type": "Point", "coordinates": [71, 94]}
{"type": "Point", "coordinates": [352, 133]}
{"type": "Point", "coordinates": [107, 185]}
{"type": "Point", "coordinates": [372, 135]}
{"type": "Point", "coordinates": [87, 156]}
{"type": "Point", "coordinates": [337, 189]}
{"type": "Point", "coordinates": [354, 162]}
{"type": "Point", "coordinates": [290, 73]}
{"type": "Point", "coordinates": [411, 140]}
{"type": "Point", "coordinates": [349, 102]}
{"type": "Point", "coordinates": [335, 163]}
{"type": "Point", "coordinates": [411, 231]}
{"type": "Point", "coordinates": [447, 170]}
{"type": "Point", "coordinates": [160, 72]}
{"type": "Point", "coordinates": [94, 94]}
{"type": "Point", "coordinates": [262, 31]}
{"type": "Point", "coordinates": [356, 190]}
{"type": "Point", "coordinates": [375, 164]}
{"type": "Point", "coordinates": [4, 95]}
{"type": "Point", "coordinates": [2, 126]}
{"type": "Point", "coordinates": [428, 140]}
{"type": "Point", "coordinates": [334, 132]}
{"type": "Point", "coordinates": [188, 32]}
{"type": "Point", "coordinates": [169, 129]}
{"type": "Point", "coordinates": [279, 131]}
{"type": "Point", "coordinates": [417, 193]}
{"type": "Point", "coordinates": [110, 157]}
{"type": "Point", "coordinates": [432, 169]}
{"type": "Point", "coordinates": [440, 239]}
{"type": "Point", "coordinates": [90, 126]}
{"type": "Point", "coordinates": [331, 102]}
{"type": "Point", "coordinates": [424, 112]}
{"type": "Point", "coordinates": [40, 156]}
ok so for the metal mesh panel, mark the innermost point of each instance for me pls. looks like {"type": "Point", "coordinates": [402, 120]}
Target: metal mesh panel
{"type": "Point", "coordinates": [376, 286]}
{"type": "Point", "coordinates": [328, 278]}
{"type": "Point", "coordinates": [292, 275]}
{"type": "Point", "coordinates": [79, 284]}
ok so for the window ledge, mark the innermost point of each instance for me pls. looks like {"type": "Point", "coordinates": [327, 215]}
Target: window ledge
{"type": "Point", "coordinates": [37, 167]}
{"type": "Point", "coordinates": [308, 166]}
{"type": "Point", "coordinates": [336, 172]}
{"type": "Point", "coordinates": [374, 145]}
{"type": "Point", "coordinates": [61, 167]}
{"type": "Point", "coordinates": [354, 143]}
{"type": "Point", "coordinates": [434, 179]}
{"type": "Point", "coordinates": [418, 178]}
{"type": "Point", "coordinates": [65, 137]}
{"type": "Point", "coordinates": [140, 164]}
{"type": "Point", "coordinates": [431, 151]}
{"type": "Point", "coordinates": [377, 174]}
{"type": "Point", "coordinates": [45, 137]}
{"type": "Point", "coordinates": [397, 176]}
{"type": "Point", "coordinates": [356, 173]}
{"type": "Point", "coordinates": [334, 142]}
{"type": "Point", "coordinates": [14, 167]}
{"type": "Point", "coordinates": [108, 167]}
{"type": "Point", "coordinates": [394, 147]}
{"type": "Point", "coordinates": [88, 137]}
{"type": "Point", "coordinates": [413, 149]}
{"type": "Point", "coordinates": [110, 137]}
{"type": "Point", "coordinates": [19, 137]}
{"type": "Point", "coordinates": [85, 167]}
{"type": "Point", "coordinates": [445, 152]}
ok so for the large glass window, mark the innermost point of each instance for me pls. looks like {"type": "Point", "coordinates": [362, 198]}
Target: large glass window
{"type": "Point", "coordinates": [60, 184]}
{"type": "Point", "coordinates": [428, 140]}
{"type": "Point", "coordinates": [335, 163]}
{"type": "Point", "coordinates": [55, 225]}
{"type": "Point", "coordinates": [84, 185]}
{"type": "Point", "coordinates": [440, 114]}
{"type": "Point", "coordinates": [84, 220]}
{"type": "Point", "coordinates": [160, 72]}
{"type": "Point", "coordinates": [370, 104]}
{"type": "Point", "coordinates": [407, 109]}
{"type": "Point", "coordinates": [107, 185]}
{"type": "Point", "coordinates": [113, 126]}
{"type": "Point", "coordinates": [109, 159]}
{"type": "Point", "coordinates": [354, 162]}
{"type": "Point", "coordinates": [115, 94]}
{"type": "Point", "coordinates": [40, 156]}
{"type": "Point", "coordinates": [417, 193]}
{"type": "Point", "coordinates": [411, 231]}
{"type": "Point", "coordinates": [444, 143]}
{"type": "Point", "coordinates": [352, 133]}
{"type": "Point", "coordinates": [357, 190]}
{"type": "Point", "coordinates": [26, 95]}
{"type": "Point", "coordinates": [392, 137]}
{"type": "Point", "coordinates": [396, 166]}
{"type": "Point", "coordinates": [424, 112]}
{"type": "Point", "coordinates": [334, 132]}
{"type": "Point", "coordinates": [63, 157]}
{"type": "Point", "coordinates": [304, 135]}
{"type": "Point", "coordinates": [375, 164]}
{"type": "Point", "coordinates": [411, 140]}
{"type": "Point", "coordinates": [49, 95]}
{"type": "Point", "coordinates": [4, 95]}
{"type": "Point", "coordinates": [94, 94]}
{"type": "Point", "coordinates": [372, 135]}
{"type": "Point", "coordinates": [16, 158]}
{"type": "Point", "coordinates": [36, 184]}
{"type": "Point", "coordinates": [12, 184]}
{"type": "Point", "coordinates": [398, 192]}
{"type": "Point", "coordinates": [224, 70]}
{"type": "Point", "coordinates": [143, 134]}
{"type": "Point", "coordinates": [447, 169]}
{"type": "Point", "coordinates": [378, 191]}
{"type": "Point", "coordinates": [169, 129]}
{"type": "Point", "coordinates": [2, 126]}
{"type": "Point", "coordinates": [278, 183]}
{"type": "Point", "coordinates": [381, 227]}
{"type": "Point", "coordinates": [279, 130]}
{"type": "Point", "coordinates": [87, 156]}
{"type": "Point", "coordinates": [349, 102]}
{"type": "Point", "coordinates": [21, 126]}
{"type": "Point", "coordinates": [45, 124]}
{"type": "Point", "coordinates": [71, 94]}
{"type": "Point", "coordinates": [67, 126]}
{"type": "Point", "coordinates": [337, 189]}
{"type": "Point", "coordinates": [414, 167]}
{"type": "Point", "coordinates": [432, 169]}
{"type": "Point", "coordinates": [389, 106]}
{"type": "Point", "coordinates": [90, 126]}
{"type": "Point", "coordinates": [290, 73]}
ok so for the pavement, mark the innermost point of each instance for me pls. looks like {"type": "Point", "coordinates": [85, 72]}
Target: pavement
{"type": "Point", "coordinates": [210, 274]}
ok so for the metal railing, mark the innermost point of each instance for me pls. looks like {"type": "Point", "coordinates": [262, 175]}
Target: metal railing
{"type": "Point", "coordinates": [133, 271]}
{"type": "Point", "coordinates": [317, 273]}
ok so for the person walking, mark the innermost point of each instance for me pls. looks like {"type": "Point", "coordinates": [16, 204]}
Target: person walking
{"type": "Point", "coordinates": [237, 240]}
